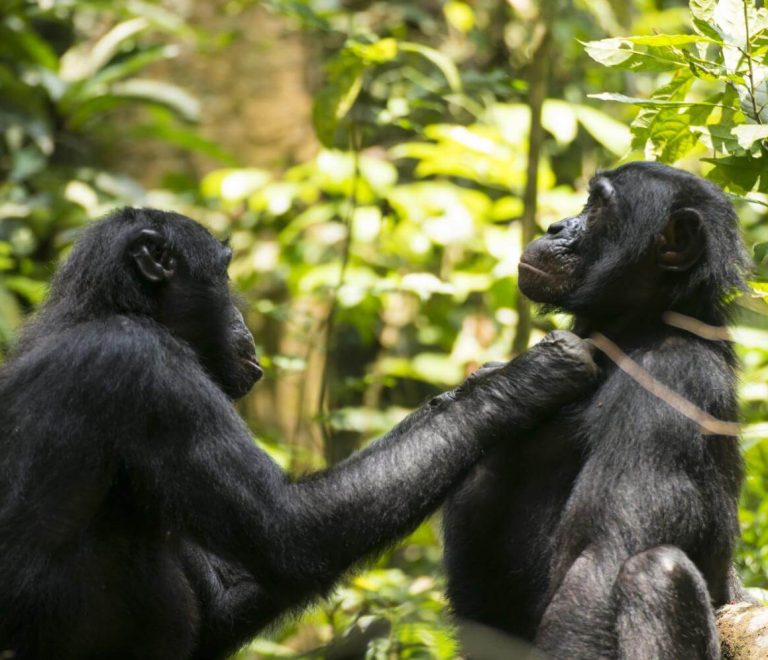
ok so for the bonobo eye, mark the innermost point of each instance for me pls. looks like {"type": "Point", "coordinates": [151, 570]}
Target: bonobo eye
{"type": "Point", "coordinates": [226, 257]}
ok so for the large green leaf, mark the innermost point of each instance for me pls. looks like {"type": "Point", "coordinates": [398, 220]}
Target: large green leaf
{"type": "Point", "coordinates": [739, 174]}
{"type": "Point", "coordinates": [626, 53]}
{"type": "Point", "coordinates": [83, 61]}
{"type": "Point", "coordinates": [162, 93]}
{"type": "Point", "coordinates": [652, 102]}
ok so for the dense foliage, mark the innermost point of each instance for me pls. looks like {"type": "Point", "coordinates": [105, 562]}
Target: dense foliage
{"type": "Point", "coordinates": [383, 268]}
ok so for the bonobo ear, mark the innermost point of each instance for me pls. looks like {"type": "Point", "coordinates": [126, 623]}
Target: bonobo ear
{"type": "Point", "coordinates": [682, 242]}
{"type": "Point", "coordinates": [152, 257]}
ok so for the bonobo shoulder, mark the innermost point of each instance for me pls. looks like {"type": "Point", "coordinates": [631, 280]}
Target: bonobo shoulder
{"type": "Point", "coordinates": [116, 358]}
{"type": "Point", "coordinates": [672, 356]}
{"type": "Point", "coordinates": [117, 342]}
{"type": "Point", "coordinates": [698, 370]}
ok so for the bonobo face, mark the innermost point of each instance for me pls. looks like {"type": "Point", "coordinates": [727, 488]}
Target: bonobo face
{"type": "Point", "coordinates": [626, 249]}
{"type": "Point", "coordinates": [185, 270]}
{"type": "Point", "coordinates": [554, 266]}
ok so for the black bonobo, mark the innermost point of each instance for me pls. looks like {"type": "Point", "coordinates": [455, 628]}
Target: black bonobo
{"type": "Point", "coordinates": [607, 532]}
{"type": "Point", "coordinates": [137, 517]}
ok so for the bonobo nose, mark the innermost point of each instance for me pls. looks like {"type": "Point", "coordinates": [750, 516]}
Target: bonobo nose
{"type": "Point", "coordinates": [557, 227]}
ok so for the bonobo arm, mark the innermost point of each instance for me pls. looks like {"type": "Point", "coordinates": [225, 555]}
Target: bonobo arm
{"type": "Point", "coordinates": [195, 460]}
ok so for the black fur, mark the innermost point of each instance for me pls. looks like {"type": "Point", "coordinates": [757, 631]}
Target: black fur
{"type": "Point", "coordinates": [608, 531]}
{"type": "Point", "coordinates": [137, 517]}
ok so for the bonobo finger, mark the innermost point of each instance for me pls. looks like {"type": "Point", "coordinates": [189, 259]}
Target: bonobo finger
{"type": "Point", "coordinates": [565, 346]}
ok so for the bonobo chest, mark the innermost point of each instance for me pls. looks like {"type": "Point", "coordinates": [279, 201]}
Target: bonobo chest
{"type": "Point", "coordinates": [501, 523]}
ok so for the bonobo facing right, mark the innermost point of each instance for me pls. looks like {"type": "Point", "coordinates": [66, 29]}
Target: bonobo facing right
{"type": "Point", "coordinates": [607, 532]}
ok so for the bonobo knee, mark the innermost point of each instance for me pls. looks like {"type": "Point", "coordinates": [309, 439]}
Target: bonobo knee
{"type": "Point", "coordinates": [664, 564]}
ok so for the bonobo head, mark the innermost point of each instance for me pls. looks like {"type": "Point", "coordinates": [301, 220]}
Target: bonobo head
{"type": "Point", "coordinates": [650, 238]}
{"type": "Point", "coordinates": [166, 267]}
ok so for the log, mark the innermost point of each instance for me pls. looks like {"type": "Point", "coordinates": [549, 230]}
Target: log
{"type": "Point", "coordinates": [743, 631]}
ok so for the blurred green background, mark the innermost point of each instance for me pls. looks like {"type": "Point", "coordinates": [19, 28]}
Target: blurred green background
{"type": "Point", "coordinates": [378, 167]}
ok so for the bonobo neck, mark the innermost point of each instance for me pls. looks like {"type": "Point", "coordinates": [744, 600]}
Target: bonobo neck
{"type": "Point", "coordinates": [628, 325]}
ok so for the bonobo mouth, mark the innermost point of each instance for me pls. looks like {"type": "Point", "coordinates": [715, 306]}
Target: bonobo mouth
{"type": "Point", "coordinates": [533, 269]}
{"type": "Point", "coordinates": [253, 367]}
{"type": "Point", "coordinates": [538, 284]}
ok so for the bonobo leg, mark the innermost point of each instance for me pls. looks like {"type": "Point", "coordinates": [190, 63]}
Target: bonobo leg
{"type": "Point", "coordinates": [663, 608]}
{"type": "Point", "coordinates": [654, 605]}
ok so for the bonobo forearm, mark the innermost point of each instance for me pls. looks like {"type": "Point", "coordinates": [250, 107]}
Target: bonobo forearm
{"type": "Point", "coordinates": [381, 493]}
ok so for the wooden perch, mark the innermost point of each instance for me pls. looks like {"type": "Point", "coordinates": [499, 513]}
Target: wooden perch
{"type": "Point", "coordinates": [743, 631]}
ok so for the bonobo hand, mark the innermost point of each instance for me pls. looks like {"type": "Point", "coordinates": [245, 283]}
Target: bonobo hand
{"type": "Point", "coordinates": [556, 371]}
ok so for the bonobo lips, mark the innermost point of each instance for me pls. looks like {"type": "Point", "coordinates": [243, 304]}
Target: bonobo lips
{"type": "Point", "coordinates": [539, 284]}
{"type": "Point", "coordinates": [533, 269]}
{"type": "Point", "coordinates": [254, 368]}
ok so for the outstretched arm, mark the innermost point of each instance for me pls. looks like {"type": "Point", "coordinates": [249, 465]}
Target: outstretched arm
{"type": "Point", "coordinates": [296, 538]}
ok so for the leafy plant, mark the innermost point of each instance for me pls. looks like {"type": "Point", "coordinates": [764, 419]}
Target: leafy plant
{"type": "Point", "coordinates": [66, 71]}
{"type": "Point", "coordinates": [715, 96]}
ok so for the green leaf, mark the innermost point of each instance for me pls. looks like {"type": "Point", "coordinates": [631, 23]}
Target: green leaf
{"type": "Point", "coordinates": [81, 61]}
{"type": "Point", "coordinates": [736, 173]}
{"type": "Point", "coordinates": [706, 30]}
{"type": "Point", "coordinates": [345, 80]}
{"type": "Point", "coordinates": [338, 95]}
{"type": "Point", "coordinates": [675, 89]}
{"type": "Point", "coordinates": [442, 62]}
{"type": "Point", "coordinates": [652, 103]}
{"type": "Point", "coordinates": [379, 52]}
{"type": "Point", "coordinates": [17, 35]}
{"type": "Point", "coordinates": [748, 134]}
{"type": "Point", "coordinates": [718, 137]}
{"type": "Point", "coordinates": [127, 66]}
{"type": "Point", "coordinates": [162, 93]}
{"type": "Point", "coordinates": [424, 285]}
{"type": "Point", "coordinates": [703, 10]}
{"type": "Point", "coordinates": [624, 53]}
{"type": "Point", "coordinates": [728, 19]}
{"type": "Point", "coordinates": [668, 40]}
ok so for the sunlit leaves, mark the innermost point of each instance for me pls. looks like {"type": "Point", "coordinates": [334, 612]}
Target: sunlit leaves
{"type": "Point", "coordinates": [728, 51]}
{"type": "Point", "coordinates": [346, 74]}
